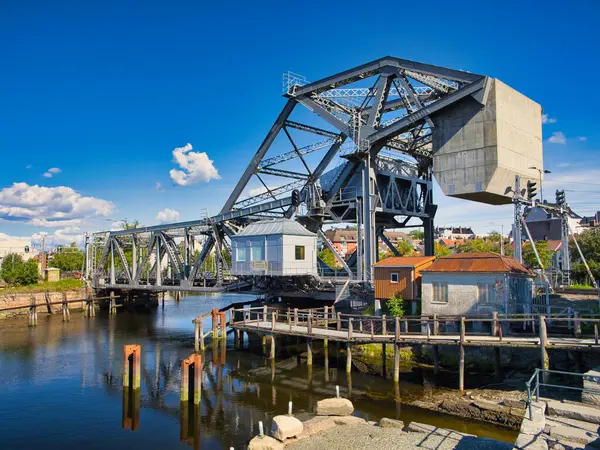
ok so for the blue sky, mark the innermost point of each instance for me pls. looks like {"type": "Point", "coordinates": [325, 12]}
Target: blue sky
{"type": "Point", "coordinates": [103, 92]}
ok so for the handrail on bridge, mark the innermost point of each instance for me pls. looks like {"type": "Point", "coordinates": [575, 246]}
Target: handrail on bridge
{"type": "Point", "coordinates": [534, 383]}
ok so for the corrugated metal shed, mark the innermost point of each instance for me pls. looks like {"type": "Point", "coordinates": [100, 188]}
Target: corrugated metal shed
{"type": "Point", "coordinates": [276, 226]}
{"type": "Point", "coordinates": [480, 262]}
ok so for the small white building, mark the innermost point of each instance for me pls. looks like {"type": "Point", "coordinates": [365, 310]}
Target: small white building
{"type": "Point", "coordinates": [279, 247]}
{"type": "Point", "coordinates": [476, 283]}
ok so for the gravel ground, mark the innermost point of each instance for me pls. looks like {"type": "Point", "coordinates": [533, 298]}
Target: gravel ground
{"type": "Point", "coordinates": [376, 438]}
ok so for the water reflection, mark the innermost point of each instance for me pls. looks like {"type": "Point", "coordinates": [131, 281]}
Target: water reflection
{"type": "Point", "coordinates": [59, 369]}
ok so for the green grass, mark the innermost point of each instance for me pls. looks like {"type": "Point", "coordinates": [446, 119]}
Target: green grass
{"type": "Point", "coordinates": [54, 286]}
{"type": "Point", "coordinates": [581, 286]}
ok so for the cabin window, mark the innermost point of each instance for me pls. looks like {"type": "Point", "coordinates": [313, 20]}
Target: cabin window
{"type": "Point", "coordinates": [299, 252]}
{"type": "Point", "coordinates": [487, 293]}
{"type": "Point", "coordinates": [440, 292]}
{"type": "Point", "coordinates": [242, 254]}
{"type": "Point", "coordinates": [257, 253]}
{"type": "Point", "coordinates": [394, 277]}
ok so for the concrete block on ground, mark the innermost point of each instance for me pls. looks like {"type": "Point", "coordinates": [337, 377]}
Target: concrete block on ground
{"type": "Point", "coordinates": [348, 420]}
{"type": "Point", "coordinates": [565, 432]}
{"type": "Point", "coordinates": [265, 443]}
{"type": "Point", "coordinates": [285, 427]}
{"type": "Point", "coordinates": [335, 407]}
{"type": "Point", "coordinates": [417, 427]}
{"type": "Point", "coordinates": [318, 424]}
{"type": "Point", "coordinates": [574, 411]}
{"type": "Point", "coordinates": [391, 423]}
{"type": "Point", "coordinates": [591, 380]}
{"type": "Point", "coordinates": [531, 442]}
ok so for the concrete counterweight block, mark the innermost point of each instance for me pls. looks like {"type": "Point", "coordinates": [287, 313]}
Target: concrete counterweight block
{"type": "Point", "coordinates": [335, 407]}
{"type": "Point", "coordinates": [285, 427]}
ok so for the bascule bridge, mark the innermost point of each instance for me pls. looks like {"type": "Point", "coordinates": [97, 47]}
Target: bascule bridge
{"type": "Point", "coordinates": [359, 147]}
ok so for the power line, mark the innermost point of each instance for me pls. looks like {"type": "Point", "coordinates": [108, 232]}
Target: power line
{"type": "Point", "coordinates": [573, 182]}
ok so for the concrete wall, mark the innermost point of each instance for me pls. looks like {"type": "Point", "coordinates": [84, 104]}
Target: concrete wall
{"type": "Point", "coordinates": [24, 299]}
{"type": "Point", "coordinates": [479, 150]}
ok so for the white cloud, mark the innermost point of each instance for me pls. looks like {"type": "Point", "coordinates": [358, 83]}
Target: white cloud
{"type": "Point", "coordinates": [557, 137]}
{"type": "Point", "coordinates": [28, 166]}
{"type": "Point", "coordinates": [167, 215]}
{"type": "Point", "coordinates": [546, 119]}
{"type": "Point", "coordinates": [49, 206]}
{"type": "Point", "coordinates": [582, 138]}
{"type": "Point", "coordinates": [159, 187]}
{"type": "Point", "coordinates": [194, 167]}
{"type": "Point", "coordinates": [63, 236]}
{"type": "Point", "coordinates": [562, 165]}
{"type": "Point", "coordinates": [52, 171]}
{"type": "Point", "coordinates": [257, 191]}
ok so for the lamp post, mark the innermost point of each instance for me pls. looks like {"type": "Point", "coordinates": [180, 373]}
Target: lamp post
{"type": "Point", "coordinates": [541, 171]}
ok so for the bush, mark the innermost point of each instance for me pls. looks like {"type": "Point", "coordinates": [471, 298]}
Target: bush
{"type": "Point", "coordinates": [16, 272]}
{"type": "Point", "coordinates": [395, 305]}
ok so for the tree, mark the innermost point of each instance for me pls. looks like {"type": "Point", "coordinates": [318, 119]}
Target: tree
{"type": "Point", "coordinates": [127, 225]}
{"type": "Point", "coordinates": [395, 305]}
{"type": "Point", "coordinates": [440, 250]}
{"type": "Point", "coordinates": [405, 248]}
{"type": "Point", "coordinates": [68, 259]}
{"type": "Point", "coordinates": [327, 257]}
{"type": "Point", "coordinates": [589, 242]}
{"type": "Point", "coordinates": [545, 253]}
{"type": "Point", "coordinates": [417, 234]}
{"type": "Point", "coordinates": [16, 272]}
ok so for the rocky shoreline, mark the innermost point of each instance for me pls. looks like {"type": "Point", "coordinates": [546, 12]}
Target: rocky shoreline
{"type": "Point", "coordinates": [334, 427]}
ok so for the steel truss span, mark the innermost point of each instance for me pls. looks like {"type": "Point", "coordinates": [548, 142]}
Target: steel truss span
{"type": "Point", "coordinates": [355, 145]}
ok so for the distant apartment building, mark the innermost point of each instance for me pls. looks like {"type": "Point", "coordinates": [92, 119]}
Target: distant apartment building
{"type": "Point", "coordinates": [546, 225]}
{"type": "Point", "coordinates": [454, 233]}
{"type": "Point", "coordinates": [18, 246]}
{"type": "Point", "coordinates": [591, 221]}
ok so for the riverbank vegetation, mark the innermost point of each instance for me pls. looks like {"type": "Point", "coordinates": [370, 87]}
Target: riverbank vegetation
{"type": "Point", "coordinates": [52, 286]}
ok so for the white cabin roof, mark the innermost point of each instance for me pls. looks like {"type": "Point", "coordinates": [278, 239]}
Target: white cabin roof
{"type": "Point", "coordinates": [276, 226]}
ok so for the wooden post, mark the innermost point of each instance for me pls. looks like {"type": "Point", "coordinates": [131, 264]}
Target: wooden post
{"type": "Point", "coordinates": [126, 366]}
{"type": "Point", "coordinates": [495, 323]}
{"type": "Point", "coordinates": [339, 321]}
{"type": "Point", "coordinates": [112, 309]}
{"type": "Point", "coordinates": [264, 313]}
{"type": "Point", "coordinates": [406, 326]}
{"type": "Point", "coordinates": [543, 344]}
{"type": "Point", "coordinates": [577, 325]}
{"type": "Point", "coordinates": [295, 317]}
{"type": "Point", "coordinates": [309, 322]}
{"type": "Point", "coordinates": [273, 319]}
{"type": "Point", "coordinates": [132, 366]}
{"type": "Point", "coordinates": [48, 305]}
{"type": "Point", "coordinates": [215, 324]}
{"type": "Point", "coordinates": [461, 367]}
{"type": "Point", "coordinates": [197, 333]}
{"type": "Point", "coordinates": [272, 355]}
{"type": "Point", "coordinates": [326, 317]}
{"type": "Point", "coordinates": [288, 317]}
{"type": "Point", "coordinates": [436, 325]}
{"type": "Point", "coordinates": [396, 362]}
{"type": "Point", "coordinates": [197, 378]}
{"type": "Point", "coordinates": [350, 328]}
{"type": "Point", "coordinates": [263, 341]}
{"type": "Point", "coordinates": [137, 367]}
{"type": "Point", "coordinates": [309, 352]}
{"type": "Point", "coordinates": [185, 380]}
{"type": "Point", "coordinates": [397, 329]}
{"type": "Point", "coordinates": [383, 325]}
{"type": "Point", "coordinates": [348, 357]}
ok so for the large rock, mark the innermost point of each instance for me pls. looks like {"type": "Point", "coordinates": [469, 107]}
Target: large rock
{"type": "Point", "coordinates": [335, 407]}
{"type": "Point", "coordinates": [265, 443]}
{"type": "Point", "coordinates": [391, 423]}
{"type": "Point", "coordinates": [285, 427]}
{"type": "Point", "coordinates": [318, 424]}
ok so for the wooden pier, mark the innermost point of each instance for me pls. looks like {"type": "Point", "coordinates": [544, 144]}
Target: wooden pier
{"type": "Point", "coordinates": [462, 331]}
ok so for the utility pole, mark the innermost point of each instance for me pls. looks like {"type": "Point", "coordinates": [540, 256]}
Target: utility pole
{"type": "Point", "coordinates": [517, 239]}
{"type": "Point", "coordinates": [541, 171]}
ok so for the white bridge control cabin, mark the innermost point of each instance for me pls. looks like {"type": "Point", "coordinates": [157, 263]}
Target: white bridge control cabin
{"type": "Point", "coordinates": [279, 247]}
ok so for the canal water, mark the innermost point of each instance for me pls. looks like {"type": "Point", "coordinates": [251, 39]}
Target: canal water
{"type": "Point", "coordinates": [61, 384]}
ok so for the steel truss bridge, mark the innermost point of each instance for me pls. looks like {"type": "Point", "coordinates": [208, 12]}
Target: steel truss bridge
{"type": "Point", "coordinates": [360, 152]}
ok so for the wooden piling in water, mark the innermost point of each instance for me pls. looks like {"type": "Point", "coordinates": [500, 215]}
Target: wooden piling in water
{"type": "Point", "coordinates": [112, 306]}
{"type": "Point", "coordinates": [461, 363]}
{"type": "Point", "coordinates": [309, 352]}
{"type": "Point", "coordinates": [348, 357]}
{"type": "Point", "coordinates": [132, 366]}
{"type": "Point", "coordinates": [545, 360]}
{"type": "Point", "coordinates": [191, 366]}
{"type": "Point", "coordinates": [272, 354]}
{"type": "Point", "coordinates": [396, 362]}
{"type": "Point", "coordinates": [197, 332]}
{"type": "Point", "coordinates": [65, 308]}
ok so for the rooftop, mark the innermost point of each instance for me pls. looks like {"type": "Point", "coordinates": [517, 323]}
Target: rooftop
{"type": "Point", "coordinates": [478, 262]}
{"type": "Point", "coordinates": [404, 261]}
{"type": "Point", "coordinates": [276, 226]}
